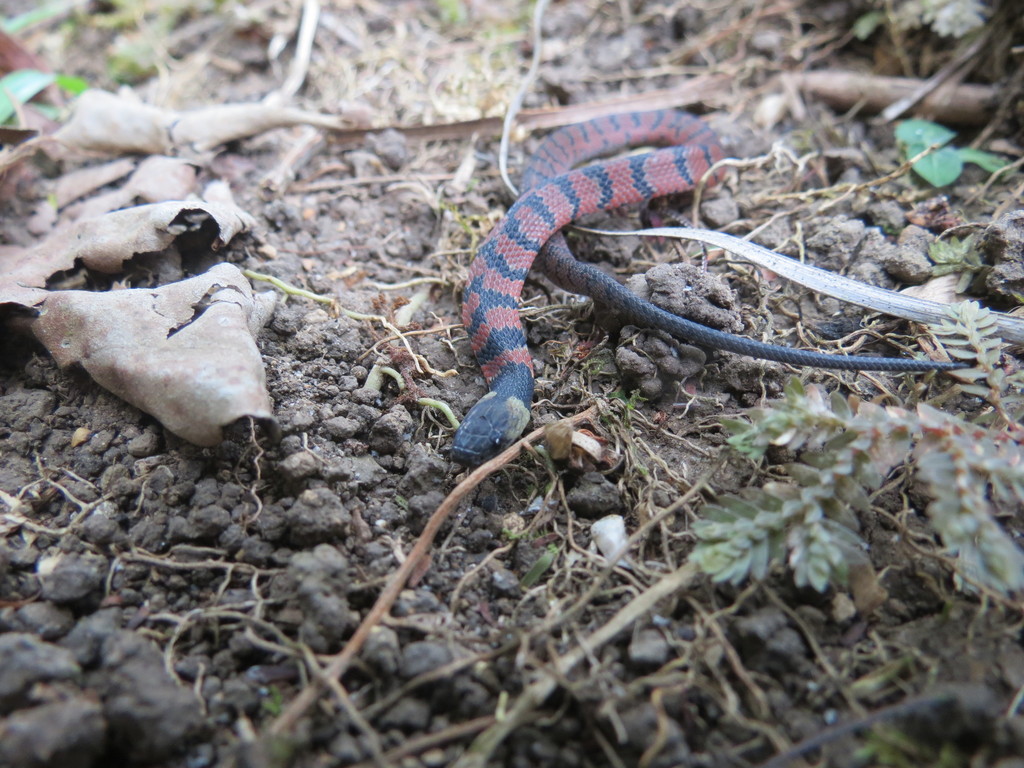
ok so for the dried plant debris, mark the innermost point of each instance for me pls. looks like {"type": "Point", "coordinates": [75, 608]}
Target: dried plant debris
{"type": "Point", "coordinates": [156, 179]}
{"type": "Point", "coordinates": [119, 124]}
{"type": "Point", "coordinates": [105, 242]}
{"type": "Point", "coordinates": [184, 353]}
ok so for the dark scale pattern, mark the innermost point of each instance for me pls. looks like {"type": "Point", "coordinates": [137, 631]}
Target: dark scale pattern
{"type": "Point", "coordinates": [554, 196]}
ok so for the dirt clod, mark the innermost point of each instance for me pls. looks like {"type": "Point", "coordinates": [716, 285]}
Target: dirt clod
{"type": "Point", "coordinates": [594, 495]}
{"type": "Point", "coordinates": [61, 734]}
{"type": "Point", "coordinates": [72, 578]}
{"type": "Point", "coordinates": [318, 516]}
{"type": "Point", "coordinates": [321, 577]}
{"type": "Point", "coordinates": [150, 717]}
{"type": "Point", "coordinates": [653, 365]}
{"type": "Point", "coordinates": [649, 649]}
{"type": "Point", "coordinates": [423, 656]}
{"type": "Point", "coordinates": [391, 431]}
{"type": "Point", "coordinates": [26, 661]}
{"type": "Point", "coordinates": [1003, 243]}
{"type": "Point", "coordinates": [43, 619]}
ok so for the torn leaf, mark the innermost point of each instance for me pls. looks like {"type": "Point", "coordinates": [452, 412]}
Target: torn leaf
{"type": "Point", "coordinates": [105, 242]}
{"type": "Point", "coordinates": [185, 353]}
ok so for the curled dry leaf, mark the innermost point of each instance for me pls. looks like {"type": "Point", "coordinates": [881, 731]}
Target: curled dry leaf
{"type": "Point", "coordinates": [84, 181]}
{"type": "Point", "coordinates": [941, 289]}
{"type": "Point", "coordinates": [184, 353]}
{"type": "Point", "coordinates": [115, 124]}
{"type": "Point", "coordinates": [577, 446]}
{"type": "Point", "coordinates": [105, 242]}
{"type": "Point", "coordinates": [157, 179]}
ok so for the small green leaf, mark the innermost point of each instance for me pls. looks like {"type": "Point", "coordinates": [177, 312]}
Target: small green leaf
{"type": "Point", "coordinates": [544, 562]}
{"type": "Point", "coordinates": [865, 26]}
{"type": "Point", "coordinates": [20, 85]}
{"type": "Point", "coordinates": [941, 167]}
{"type": "Point", "coordinates": [986, 160]}
{"type": "Point", "coordinates": [71, 84]}
{"type": "Point", "coordinates": [923, 134]}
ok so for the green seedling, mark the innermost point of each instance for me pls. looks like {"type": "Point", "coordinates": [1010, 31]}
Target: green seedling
{"type": "Point", "coordinates": [944, 165]}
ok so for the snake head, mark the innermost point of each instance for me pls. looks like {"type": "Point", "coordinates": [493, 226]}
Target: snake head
{"type": "Point", "coordinates": [489, 428]}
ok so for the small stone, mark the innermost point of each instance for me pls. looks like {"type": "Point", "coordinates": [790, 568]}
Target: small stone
{"type": "Point", "coordinates": [391, 431]}
{"type": "Point", "coordinates": [381, 650]}
{"type": "Point", "coordinates": [100, 530]}
{"type": "Point", "coordinates": [150, 717]}
{"type": "Point", "coordinates": [423, 656]}
{"type": "Point", "coordinates": [836, 242]}
{"type": "Point", "coordinates": [27, 660]}
{"type": "Point", "coordinates": [649, 649]}
{"type": "Point", "coordinates": [207, 523]}
{"type": "Point", "coordinates": [1003, 244]}
{"type": "Point", "coordinates": [317, 516]}
{"type": "Point", "coordinates": [390, 146]}
{"type": "Point", "coordinates": [322, 576]}
{"type": "Point", "coordinates": [298, 421]}
{"type": "Point", "coordinates": [146, 444]}
{"type": "Point", "coordinates": [843, 609]}
{"type": "Point", "coordinates": [424, 471]}
{"type": "Point", "coordinates": [594, 496]}
{"type": "Point", "coordinates": [73, 577]}
{"type": "Point", "coordinates": [887, 214]}
{"type": "Point", "coordinates": [505, 583]}
{"type": "Point", "coordinates": [299, 466]}
{"type": "Point", "coordinates": [44, 619]}
{"type": "Point", "coordinates": [909, 263]}
{"type": "Point", "coordinates": [720, 212]}
{"type": "Point", "coordinates": [342, 427]}
{"type": "Point", "coordinates": [769, 643]}
{"type": "Point", "coordinates": [408, 714]}
{"type": "Point", "coordinates": [86, 638]}
{"type": "Point", "coordinates": [61, 734]}
{"type": "Point", "coordinates": [422, 505]}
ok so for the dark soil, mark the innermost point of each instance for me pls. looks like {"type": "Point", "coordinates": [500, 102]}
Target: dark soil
{"type": "Point", "coordinates": [164, 604]}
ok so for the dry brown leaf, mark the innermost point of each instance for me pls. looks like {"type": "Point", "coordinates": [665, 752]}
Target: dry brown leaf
{"type": "Point", "coordinates": [185, 353]}
{"type": "Point", "coordinates": [105, 242]}
{"type": "Point", "coordinates": [941, 289]}
{"type": "Point", "coordinates": [157, 179]}
{"type": "Point", "coordinates": [116, 124]}
{"type": "Point", "coordinates": [868, 592]}
{"type": "Point", "coordinates": [79, 183]}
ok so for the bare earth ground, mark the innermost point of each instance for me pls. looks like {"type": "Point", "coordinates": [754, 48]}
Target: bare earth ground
{"type": "Point", "coordinates": [165, 604]}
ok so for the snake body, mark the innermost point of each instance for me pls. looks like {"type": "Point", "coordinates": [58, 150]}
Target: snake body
{"type": "Point", "coordinates": [554, 195]}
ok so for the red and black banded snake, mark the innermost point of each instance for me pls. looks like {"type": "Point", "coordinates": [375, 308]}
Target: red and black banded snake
{"type": "Point", "coordinates": [554, 195]}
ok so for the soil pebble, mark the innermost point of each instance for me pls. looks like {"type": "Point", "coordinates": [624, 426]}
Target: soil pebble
{"type": "Point", "coordinates": [60, 734]}
{"type": "Point", "coordinates": [1003, 243]}
{"type": "Point", "coordinates": [594, 495]}
{"type": "Point", "coordinates": [423, 656]}
{"type": "Point", "coordinates": [41, 618]}
{"type": "Point", "coordinates": [150, 717]}
{"type": "Point", "coordinates": [321, 576]}
{"type": "Point", "coordinates": [72, 577]}
{"type": "Point", "coordinates": [26, 660]}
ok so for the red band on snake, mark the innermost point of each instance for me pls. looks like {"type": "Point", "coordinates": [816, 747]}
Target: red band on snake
{"type": "Point", "coordinates": [529, 234]}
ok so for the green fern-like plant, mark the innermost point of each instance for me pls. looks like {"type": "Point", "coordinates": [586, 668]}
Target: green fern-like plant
{"type": "Point", "coordinates": [971, 471]}
{"type": "Point", "coordinates": [971, 332]}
